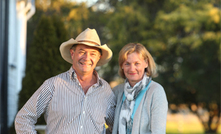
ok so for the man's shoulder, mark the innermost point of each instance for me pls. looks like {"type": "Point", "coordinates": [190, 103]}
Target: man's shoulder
{"type": "Point", "coordinates": [63, 75]}
{"type": "Point", "coordinates": [104, 82]}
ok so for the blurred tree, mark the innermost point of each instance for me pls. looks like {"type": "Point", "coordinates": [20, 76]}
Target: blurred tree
{"type": "Point", "coordinates": [49, 24]}
{"type": "Point", "coordinates": [184, 38]}
{"type": "Point", "coordinates": [128, 23]}
{"type": "Point", "coordinates": [189, 57]}
{"type": "Point", "coordinates": [73, 14]}
{"type": "Point", "coordinates": [43, 56]}
{"type": "Point", "coordinates": [77, 19]}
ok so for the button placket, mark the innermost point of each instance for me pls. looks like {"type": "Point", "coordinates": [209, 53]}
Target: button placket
{"type": "Point", "coordinates": [83, 115]}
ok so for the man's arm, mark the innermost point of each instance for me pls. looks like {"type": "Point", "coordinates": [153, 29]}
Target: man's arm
{"type": "Point", "coordinates": [110, 114]}
{"type": "Point", "coordinates": [27, 117]}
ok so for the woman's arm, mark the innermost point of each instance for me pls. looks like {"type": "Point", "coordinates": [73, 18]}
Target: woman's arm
{"type": "Point", "coordinates": [159, 109]}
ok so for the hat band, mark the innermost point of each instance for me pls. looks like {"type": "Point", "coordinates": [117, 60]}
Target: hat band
{"type": "Point", "coordinates": [94, 43]}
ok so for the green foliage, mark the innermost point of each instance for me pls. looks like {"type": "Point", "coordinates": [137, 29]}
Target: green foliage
{"type": "Point", "coordinates": [192, 34]}
{"type": "Point", "coordinates": [183, 36]}
{"type": "Point", "coordinates": [43, 56]}
{"type": "Point", "coordinates": [184, 39]}
{"type": "Point", "coordinates": [125, 26]}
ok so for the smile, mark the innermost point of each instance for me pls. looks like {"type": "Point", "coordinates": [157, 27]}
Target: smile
{"type": "Point", "coordinates": [132, 73]}
{"type": "Point", "coordinates": [85, 63]}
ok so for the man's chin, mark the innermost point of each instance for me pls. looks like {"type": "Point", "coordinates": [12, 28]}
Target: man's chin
{"type": "Point", "coordinates": [87, 69]}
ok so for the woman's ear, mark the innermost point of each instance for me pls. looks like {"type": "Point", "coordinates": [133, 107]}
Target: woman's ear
{"type": "Point", "coordinates": [146, 61]}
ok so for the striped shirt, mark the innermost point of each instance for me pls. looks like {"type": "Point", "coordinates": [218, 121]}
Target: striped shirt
{"type": "Point", "coordinates": [67, 109]}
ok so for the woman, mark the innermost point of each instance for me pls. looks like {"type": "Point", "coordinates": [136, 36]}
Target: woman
{"type": "Point", "coordinates": [141, 102]}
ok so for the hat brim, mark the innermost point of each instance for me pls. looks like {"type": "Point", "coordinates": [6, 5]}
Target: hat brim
{"type": "Point", "coordinates": [65, 51]}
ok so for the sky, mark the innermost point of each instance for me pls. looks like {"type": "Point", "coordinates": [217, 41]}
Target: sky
{"type": "Point", "coordinates": [90, 2]}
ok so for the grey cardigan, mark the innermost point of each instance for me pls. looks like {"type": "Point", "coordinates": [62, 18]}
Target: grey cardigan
{"type": "Point", "coordinates": [151, 114]}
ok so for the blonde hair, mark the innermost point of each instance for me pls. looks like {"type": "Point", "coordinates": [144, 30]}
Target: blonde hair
{"type": "Point", "coordinates": [142, 51]}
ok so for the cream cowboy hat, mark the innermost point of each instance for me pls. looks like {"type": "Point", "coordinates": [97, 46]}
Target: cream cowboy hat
{"type": "Point", "coordinates": [88, 37]}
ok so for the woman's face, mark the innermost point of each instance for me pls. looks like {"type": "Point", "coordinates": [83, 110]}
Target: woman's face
{"type": "Point", "coordinates": [134, 67]}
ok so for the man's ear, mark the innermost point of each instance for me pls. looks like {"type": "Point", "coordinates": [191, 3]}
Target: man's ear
{"type": "Point", "coordinates": [71, 52]}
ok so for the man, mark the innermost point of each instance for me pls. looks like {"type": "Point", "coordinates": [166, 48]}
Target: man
{"type": "Point", "coordinates": [77, 101]}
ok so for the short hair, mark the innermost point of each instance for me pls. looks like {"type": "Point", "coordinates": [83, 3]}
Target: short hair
{"type": "Point", "coordinates": [142, 51]}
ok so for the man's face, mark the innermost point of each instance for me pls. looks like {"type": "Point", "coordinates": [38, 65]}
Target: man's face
{"type": "Point", "coordinates": [85, 59]}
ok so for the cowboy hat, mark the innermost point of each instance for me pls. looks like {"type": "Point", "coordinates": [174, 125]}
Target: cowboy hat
{"type": "Point", "coordinates": [88, 37]}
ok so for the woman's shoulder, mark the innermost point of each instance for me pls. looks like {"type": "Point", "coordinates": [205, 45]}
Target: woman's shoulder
{"type": "Point", "coordinates": [157, 93]}
{"type": "Point", "coordinates": [156, 87]}
{"type": "Point", "coordinates": [119, 88]}
{"type": "Point", "coordinates": [155, 84]}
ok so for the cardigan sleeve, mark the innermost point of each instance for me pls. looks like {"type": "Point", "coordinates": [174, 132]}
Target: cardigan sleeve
{"type": "Point", "coordinates": [158, 111]}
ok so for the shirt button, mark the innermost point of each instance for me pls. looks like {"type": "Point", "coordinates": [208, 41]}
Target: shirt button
{"type": "Point", "coordinates": [81, 126]}
{"type": "Point", "coordinates": [83, 112]}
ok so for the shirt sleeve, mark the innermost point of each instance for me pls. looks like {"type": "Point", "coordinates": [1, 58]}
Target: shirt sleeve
{"type": "Point", "coordinates": [110, 113]}
{"type": "Point", "coordinates": [27, 117]}
{"type": "Point", "coordinates": [159, 112]}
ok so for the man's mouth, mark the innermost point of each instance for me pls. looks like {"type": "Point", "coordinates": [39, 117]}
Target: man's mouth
{"type": "Point", "coordinates": [85, 63]}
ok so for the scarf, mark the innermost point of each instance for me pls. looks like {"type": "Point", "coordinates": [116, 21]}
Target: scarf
{"type": "Point", "coordinates": [131, 93]}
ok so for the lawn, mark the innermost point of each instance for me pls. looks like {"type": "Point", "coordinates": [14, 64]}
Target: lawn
{"type": "Point", "coordinates": [181, 124]}
{"type": "Point", "coordinates": [185, 124]}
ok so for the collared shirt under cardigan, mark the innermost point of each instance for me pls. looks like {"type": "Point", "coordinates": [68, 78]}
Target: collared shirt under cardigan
{"type": "Point", "coordinates": [151, 114]}
{"type": "Point", "coordinates": [66, 108]}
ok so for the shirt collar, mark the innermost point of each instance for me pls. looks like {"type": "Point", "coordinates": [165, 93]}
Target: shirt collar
{"type": "Point", "coordinates": [73, 76]}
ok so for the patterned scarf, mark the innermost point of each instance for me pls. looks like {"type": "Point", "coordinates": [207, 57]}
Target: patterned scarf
{"type": "Point", "coordinates": [131, 93]}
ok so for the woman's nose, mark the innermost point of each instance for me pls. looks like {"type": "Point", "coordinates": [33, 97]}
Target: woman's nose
{"type": "Point", "coordinates": [132, 67]}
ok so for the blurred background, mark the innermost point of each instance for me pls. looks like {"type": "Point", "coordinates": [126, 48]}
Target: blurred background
{"type": "Point", "coordinates": [183, 36]}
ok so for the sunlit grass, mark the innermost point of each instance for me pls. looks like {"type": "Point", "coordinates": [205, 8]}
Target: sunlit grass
{"type": "Point", "coordinates": [186, 128]}
{"type": "Point", "coordinates": [179, 128]}
{"type": "Point", "coordinates": [180, 124]}
{"type": "Point", "coordinates": [185, 124]}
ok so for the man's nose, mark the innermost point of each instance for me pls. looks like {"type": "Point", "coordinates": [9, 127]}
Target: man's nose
{"type": "Point", "coordinates": [86, 55]}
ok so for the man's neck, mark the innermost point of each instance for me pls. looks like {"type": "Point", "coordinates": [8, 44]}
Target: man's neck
{"type": "Point", "coordinates": [87, 81]}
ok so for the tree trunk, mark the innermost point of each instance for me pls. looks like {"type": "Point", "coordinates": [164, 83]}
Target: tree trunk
{"type": "Point", "coordinates": [211, 126]}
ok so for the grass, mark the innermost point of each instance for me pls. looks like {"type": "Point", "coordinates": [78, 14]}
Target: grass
{"type": "Point", "coordinates": [180, 128]}
{"type": "Point", "coordinates": [185, 124]}
{"type": "Point", "coordinates": [177, 128]}
{"type": "Point", "coordinates": [186, 128]}
{"type": "Point", "coordinates": [181, 124]}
